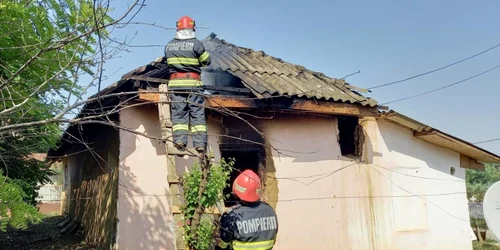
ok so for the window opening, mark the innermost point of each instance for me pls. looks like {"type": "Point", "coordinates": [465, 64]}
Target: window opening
{"type": "Point", "coordinates": [244, 158]}
{"type": "Point", "coordinates": [350, 136]}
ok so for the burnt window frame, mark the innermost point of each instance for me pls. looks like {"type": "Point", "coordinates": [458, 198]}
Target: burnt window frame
{"type": "Point", "coordinates": [243, 148]}
{"type": "Point", "coordinates": [350, 136]}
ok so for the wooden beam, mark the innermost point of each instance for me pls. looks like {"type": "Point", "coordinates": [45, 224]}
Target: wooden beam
{"type": "Point", "coordinates": [332, 108]}
{"type": "Point", "coordinates": [148, 97]}
{"type": "Point", "coordinates": [320, 107]}
{"type": "Point", "coordinates": [147, 79]}
{"type": "Point", "coordinates": [467, 162]}
{"type": "Point", "coordinates": [229, 102]}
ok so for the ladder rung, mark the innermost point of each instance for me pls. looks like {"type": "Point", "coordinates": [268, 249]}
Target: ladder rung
{"type": "Point", "coordinates": [173, 180]}
{"type": "Point", "coordinates": [189, 152]}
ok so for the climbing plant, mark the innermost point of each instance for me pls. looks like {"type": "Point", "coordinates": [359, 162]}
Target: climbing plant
{"type": "Point", "coordinates": [201, 236]}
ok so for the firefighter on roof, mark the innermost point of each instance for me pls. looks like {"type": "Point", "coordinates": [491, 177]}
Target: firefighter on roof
{"type": "Point", "coordinates": [252, 224]}
{"type": "Point", "coordinates": [185, 56]}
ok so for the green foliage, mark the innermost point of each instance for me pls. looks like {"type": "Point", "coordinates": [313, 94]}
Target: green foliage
{"type": "Point", "coordinates": [205, 234]}
{"type": "Point", "coordinates": [14, 211]}
{"type": "Point", "coordinates": [217, 180]}
{"type": "Point", "coordinates": [478, 182]}
{"type": "Point", "coordinates": [46, 46]}
{"type": "Point", "coordinates": [476, 245]}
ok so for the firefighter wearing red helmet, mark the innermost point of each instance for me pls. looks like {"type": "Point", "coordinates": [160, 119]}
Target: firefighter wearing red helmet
{"type": "Point", "coordinates": [252, 224]}
{"type": "Point", "coordinates": [185, 55]}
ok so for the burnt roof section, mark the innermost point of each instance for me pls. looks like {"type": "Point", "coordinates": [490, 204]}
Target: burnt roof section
{"type": "Point", "coordinates": [268, 76]}
{"type": "Point", "coordinates": [264, 75]}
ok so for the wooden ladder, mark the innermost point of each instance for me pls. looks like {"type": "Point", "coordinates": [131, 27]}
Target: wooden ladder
{"type": "Point", "coordinates": [173, 178]}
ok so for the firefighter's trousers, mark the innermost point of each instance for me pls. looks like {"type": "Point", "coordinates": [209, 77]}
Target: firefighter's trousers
{"type": "Point", "coordinates": [189, 105]}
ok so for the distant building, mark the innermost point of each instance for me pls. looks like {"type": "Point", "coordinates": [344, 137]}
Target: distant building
{"type": "Point", "coordinates": [49, 194]}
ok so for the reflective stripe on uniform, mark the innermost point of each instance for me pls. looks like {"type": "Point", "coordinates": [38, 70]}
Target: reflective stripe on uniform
{"type": "Point", "coordinates": [178, 127]}
{"type": "Point", "coordinates": [204, 56]}
{"type": "Point", "coordinates": [222, 244]}
{"type": "Point", "coordinates": [185, 83]}
{"type": "Point", "coordinates": [183, 60]}
{"type": "Point", "coordinates": [259, 245]}
{"type": "Point", "coordinates": [199, 128]}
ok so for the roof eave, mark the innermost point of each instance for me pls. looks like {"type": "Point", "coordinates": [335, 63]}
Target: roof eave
{"type": "Point", "coordinates": [439, 138]}
{"type": "Point", "coordinates": [59, 152]}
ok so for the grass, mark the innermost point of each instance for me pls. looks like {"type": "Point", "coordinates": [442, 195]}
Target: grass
{"type": "Point", "coordinates": [484, 246]}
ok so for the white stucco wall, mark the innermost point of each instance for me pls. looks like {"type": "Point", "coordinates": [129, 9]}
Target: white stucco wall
{"type": "Point", "coordinates": [324, 198]}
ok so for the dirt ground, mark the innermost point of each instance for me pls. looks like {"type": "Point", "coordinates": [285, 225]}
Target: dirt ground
{"type": "Point", "coordinates": [45, 235]}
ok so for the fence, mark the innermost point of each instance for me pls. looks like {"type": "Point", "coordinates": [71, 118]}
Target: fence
{"type": "Point", "coordinates": [49, 194]}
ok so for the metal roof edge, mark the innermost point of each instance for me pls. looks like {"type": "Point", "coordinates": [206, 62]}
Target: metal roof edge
{"type": "Point", "coordinates": [421, 130]}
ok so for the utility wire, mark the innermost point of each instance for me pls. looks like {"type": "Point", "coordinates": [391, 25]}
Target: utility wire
{"type": "Point", "coordinates": [435, 70]}
{"type": "Point", "coordinates": [485, 141]}
{"type": "Point", "coordinates": [444, 87]}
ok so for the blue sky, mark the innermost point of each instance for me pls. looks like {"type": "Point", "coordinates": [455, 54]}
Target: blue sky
{"type": "Point", "coordinates": [385, 40]}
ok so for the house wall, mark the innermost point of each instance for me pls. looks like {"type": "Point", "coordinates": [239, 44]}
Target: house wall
{"type": "Point", "coordinates": [90, 185]}
{"type": "Point", "coordinates": [322, 198]}
{"type": "Point", "coordinates": [314, 179]}
{"type": "Point", "coordinates": [144, 213]}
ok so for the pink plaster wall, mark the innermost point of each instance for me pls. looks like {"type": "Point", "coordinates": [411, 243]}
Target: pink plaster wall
{"type": "Point", "coordinates": [143, 204]}
{"type": "Point", "coordinates": [144, 213]}
{"type": "Point", "coordinates": [324, 199]}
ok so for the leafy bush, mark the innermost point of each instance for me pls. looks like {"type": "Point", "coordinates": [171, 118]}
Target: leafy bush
{"type": "Point", "coordinates": [203, 236]}
{"type": "Point", "coordinates": [478, 182]}
{"type": "Point", "coordinates": [14, 211]}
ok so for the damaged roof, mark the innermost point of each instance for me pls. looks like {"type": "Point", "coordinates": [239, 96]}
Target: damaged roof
{"type": "Point", "coordinates": [268, 76]}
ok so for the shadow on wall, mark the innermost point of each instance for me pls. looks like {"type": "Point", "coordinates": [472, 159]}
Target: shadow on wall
{"type": "Point", "coordinates": [143, 187]}
{"type": "Point", "coordinates": [305, 138]}
{"type": "Point", "coordinates": [147, 113]}
{"type": "Point", "coordinates": [143, 225]}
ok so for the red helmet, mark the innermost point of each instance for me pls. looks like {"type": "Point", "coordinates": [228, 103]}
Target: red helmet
{"type": "Point", "coordinates": [185, 22]}
{"type": "Point", "coordinates": [247, 186]}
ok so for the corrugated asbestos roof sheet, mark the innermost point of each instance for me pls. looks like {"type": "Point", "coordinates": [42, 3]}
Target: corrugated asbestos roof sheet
{"type": "Point", "coordinates": [267, 76]}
